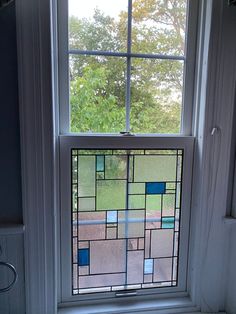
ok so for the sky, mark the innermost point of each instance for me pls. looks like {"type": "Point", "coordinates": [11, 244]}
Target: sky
{"type": "Point", "coordinates": [85, 8]}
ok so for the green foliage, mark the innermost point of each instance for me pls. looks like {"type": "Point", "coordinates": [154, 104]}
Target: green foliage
{"type": "Point", "coordinates": [97, 83]}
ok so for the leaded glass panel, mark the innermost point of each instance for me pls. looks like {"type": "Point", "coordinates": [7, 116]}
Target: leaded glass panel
{"type": "Point", "coordinates": [125, 219]}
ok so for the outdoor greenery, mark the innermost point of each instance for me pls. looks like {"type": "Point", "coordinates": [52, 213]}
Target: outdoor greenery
{"type": "Point", "coordinates": [97, 83]}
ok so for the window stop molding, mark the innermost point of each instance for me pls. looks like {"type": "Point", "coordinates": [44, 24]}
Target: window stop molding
{"type": "Point", "coordinates": [38, 153]}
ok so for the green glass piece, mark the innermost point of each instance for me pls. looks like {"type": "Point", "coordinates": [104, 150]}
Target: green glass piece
{"type": "Point", "coordinates": [136, 201]}
{"type": "Point", "coordinates": [116, 167]}
{"type": "Point", "coordinates": [100, 175]}
{"type": "Point", "coordinates": [153, 202]}
{"type": "Point", "coordinates": [95, 152]}
{"type": "Point", "coordinates": [168, 204]}
{"type": "Point", "coordinates": [74, 151]}
{"type": "Point", "coordinates": [154, 168]}
{"type": "Point", "coordinates": [136, 188]}
{"type": "Point", "coordinates": [74, 169]}
{"type": "Point", "coordinates": [131, 168]}
{"type": "Point", "coordinates": [136, 152]}
{"type": "Point", "coordinates": [86, 176]}
{"type": "Point", "coordinates": [87, 204]}
{"type": "Point", "coordinates": [170, 185]}
{"type": "Point", "coordinates": [160, 152]}
{"type": "Point", "coordinates": [111, 194]}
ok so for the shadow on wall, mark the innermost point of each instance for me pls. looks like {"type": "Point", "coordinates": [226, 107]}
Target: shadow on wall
{"type": "Point", "coordinates": [10, 178]}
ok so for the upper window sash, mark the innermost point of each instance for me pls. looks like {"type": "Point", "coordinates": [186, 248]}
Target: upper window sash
{"type": "Point", "coordinates": [188, 72]}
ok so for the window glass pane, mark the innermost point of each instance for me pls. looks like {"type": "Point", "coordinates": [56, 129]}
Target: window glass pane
{"type": "Point", "coordinates": [159, 26]}
{"type": "Point", "coordinates": [98, 25]}
{"type": "Point", "coordinates": [156, 96]}
{"type": "Point", "coordinates": [125, 228]}
{"type": "Point", "coordinates": [97, 94]}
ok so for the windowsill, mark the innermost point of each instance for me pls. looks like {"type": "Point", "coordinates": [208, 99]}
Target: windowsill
{"type": "Point", "coordinates": [163, 306]}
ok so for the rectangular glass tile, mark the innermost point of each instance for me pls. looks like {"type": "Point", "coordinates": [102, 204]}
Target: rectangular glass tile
{"type": "Point", "coordinates": [100, 163]}
{"type": "Point", "coordinates": [111, 194]}
{"type": "Point", "coordinates": [154, 168]}
{"type": "Point", "coordinates": [148, 266]}
{"type": "Point", "coordinates": [86, 176]}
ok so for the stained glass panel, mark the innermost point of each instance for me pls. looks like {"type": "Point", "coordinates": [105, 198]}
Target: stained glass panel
{"type": "Point", "coordinates": [126, 209]}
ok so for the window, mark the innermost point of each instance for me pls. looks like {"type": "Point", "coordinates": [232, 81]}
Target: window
{"type": "Point", "coordinates": [215, 82]}
{"type": "Point", "coordinates": [126, 75]}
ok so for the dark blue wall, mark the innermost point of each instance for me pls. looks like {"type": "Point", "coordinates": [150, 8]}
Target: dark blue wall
{"type": "Point", "coordinates": [10, 176]}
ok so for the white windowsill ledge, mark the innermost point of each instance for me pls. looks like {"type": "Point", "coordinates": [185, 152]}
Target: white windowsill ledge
{"type": "Point", "coordinates": [164, 306]}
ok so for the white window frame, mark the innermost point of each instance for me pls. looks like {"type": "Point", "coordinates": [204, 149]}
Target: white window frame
{"type": "Point", "coordinates": [39, 145]}
{"type": "Point", "coordinates": [80, 140]}
{"type": "Point", "coordinates": [122, 142]}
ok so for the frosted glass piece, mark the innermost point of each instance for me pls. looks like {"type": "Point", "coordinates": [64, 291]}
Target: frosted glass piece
{"type": "Point", "coordinates": [131, 224]}
{"type": "Point", "coordinates": [153, 202]}
{"type": "Point", "coordinates": [107, 256]}
{"type": "Point", "coordinates": [101, 280]}
{"type": "Point", "coordinates": [162, 269]}
{"type": "Point", "coordinates": [87, 204]}
{"type": "Point", "coordinates": [91, 226]}
{"type": "Point", "coordinates": [154, 168]}
{"type": "Point", "coordinates": [136, 188]}
{"type": "Point", "coordinates": [116, 167]}
{"type": "Point", "coordinates": [168, 205]}
{"type": "Point", "coordinates": [136, 201]}
{"type": "Point", "coordinates": [111, 233]}
{"type": "Point", "coordinates": [162, 243]}
{"type": "Point", "coordinates": [86, 176]}
{"type": "Point", "coordinates": [111, 194]}
{"type": "Point", "coordinates": [135, 267]}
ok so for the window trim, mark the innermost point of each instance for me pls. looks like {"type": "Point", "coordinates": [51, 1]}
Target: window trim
{"type": "Point", "coordinates": [39, 159]}
{"type": "Point", "coordinates": [188, 74]}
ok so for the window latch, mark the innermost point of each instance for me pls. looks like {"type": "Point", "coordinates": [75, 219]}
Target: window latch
{"type": "Point", "coordinates": [124, 133]}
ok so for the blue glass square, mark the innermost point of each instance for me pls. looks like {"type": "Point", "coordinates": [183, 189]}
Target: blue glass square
{"type": "Point", "coordinates": [112, 216]}
{"type": "Point", "coordinates": [155, 188]}
{"type": "Point", "coordinates": [148, 266]}
{"type": "Point", "coordinates": [100, 163]}
{"type": "Point", "coordinates": [83, 257]}
{"type": "Point", "coordinates": [168, 222]}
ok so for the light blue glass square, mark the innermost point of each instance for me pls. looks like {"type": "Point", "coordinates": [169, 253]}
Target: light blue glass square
{"type": "Point", "coordinates": [111, 216]}
{"type": "Point", "coordinates": [168, 222]}
{"type": "Point", "coordinates": [148, 266]}
{"type": "Point", "coordinates": [100, 163]}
